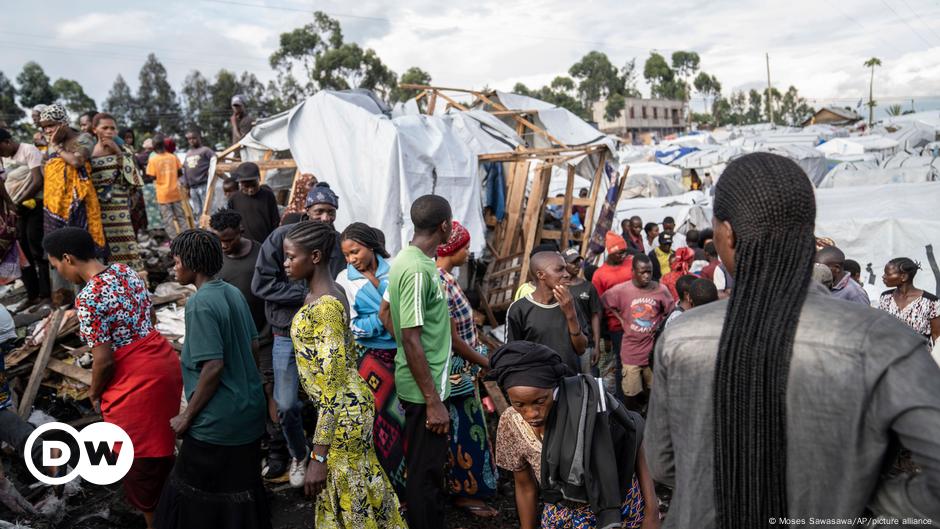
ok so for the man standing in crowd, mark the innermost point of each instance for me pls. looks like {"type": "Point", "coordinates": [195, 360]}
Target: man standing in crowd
{"type": "Point", "coordinates": [282, 299]}
{"type": "Point", "coordinates": [633, 234]}
{"type": "Point", "coordinates": [256, 203]}
{"type": "Point", "coordinates": [165, 169]}
{"type": "Point", "coordinates": [617, 269]}
{"type": "Point", "coordinates": [421, 322]}
{"type": "Point", "coordinates": [854, 270]}
{"type": "Point", "coordinates": [549, 315]}
{"type": "Point", "coordinates": [196, 170]}
{"type": "Point", "coordinates": [589, 305]}
{"type": "Point", "coordinates": [702, 292]}
{"type": "Point", "coordinates": [661, 256]}
{"type": "Point", "coordinates": [641, 305]}
{"type": "Point", "coordinates": [241, 122]}
{"type": "Point", "coordinates": [843, 286]}
{"type": "Point", "coordinates": [29, 222]}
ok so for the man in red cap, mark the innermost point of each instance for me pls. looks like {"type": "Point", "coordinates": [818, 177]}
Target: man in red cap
{"type": "Point", "coordinates": [616, 270]}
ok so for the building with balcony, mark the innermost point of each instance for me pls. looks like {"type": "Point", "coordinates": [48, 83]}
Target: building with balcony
{"type": "Point", "coordinates": [642, 119]}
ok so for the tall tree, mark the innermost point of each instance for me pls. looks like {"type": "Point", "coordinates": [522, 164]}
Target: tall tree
{"type": "Point", "coordinates": [754, 112]}
{"type": "Point", "coordinates": [34, 86]}
{"type": "Point", "coordinates": [772, 96]}
{"type": "Point", "coordinates": [709, 87]}
{"type": "Point", "coordinates": [157, 107]}
{"type": "Point", "coordinates": [413, 75]}
{"type": "Point", "coordinates": [73, 96]}
{"type": "Point", "coordinates": [872, 63]}
{"type": "Point", "coordinates": [659, 75]}
{"type": "Point", "coordinates": [198, 109]}
{"type": "Point", "coordinates": [120, 103]}
{"type": "Point", "coordinates": [10, 112]}
{"type": "Point", "coordinates": [793, 109]}
{"type": "Point", "coordinates": [597, 78]}
{"type": "Point", "coordinates": [325, 61]}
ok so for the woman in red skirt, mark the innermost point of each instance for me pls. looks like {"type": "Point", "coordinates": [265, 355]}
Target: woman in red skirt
{"type": "Point", "coordinates": [136, 378]}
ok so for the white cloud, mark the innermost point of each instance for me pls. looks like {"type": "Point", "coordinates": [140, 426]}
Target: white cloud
{"type": "Point", "coordinates": [115, 28]}
{"type": "Point", "coordinates": [817, 47]}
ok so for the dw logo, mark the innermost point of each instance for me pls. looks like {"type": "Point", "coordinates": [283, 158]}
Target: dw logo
{"type": "Point", "coordinates": [102, 453]}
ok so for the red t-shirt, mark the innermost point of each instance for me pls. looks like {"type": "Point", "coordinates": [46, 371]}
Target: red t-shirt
{"type": "Point", "coordinates": [643, 310]}
{"type": "Point", "coordinates": [607, 277]}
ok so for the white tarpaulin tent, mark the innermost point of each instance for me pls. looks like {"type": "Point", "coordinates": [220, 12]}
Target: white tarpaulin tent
{"type": "Point", "coordinates": [690, 210]}
{"type": "Point", "coordinates": [857, 145]}
{"type": "Point", "coordinates": [873, 225]}
{"type": "Point", "coordinates": [559, 122]}
{"type": "Point", "coordinates": [809, 159]}
{"type": "Point", "coordinates": [382, 165]}
{"type": "Point", "coordinates": [901, 168]}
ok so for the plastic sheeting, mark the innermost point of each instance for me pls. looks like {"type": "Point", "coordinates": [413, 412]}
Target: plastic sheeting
{"type": "Point", "coordinates": [378, 166]}
{"type": "Point", "coordinates": [874, 144]}
{"type": "Point", "coordinates": [690, 210]}
{"type": "Point", "coordinates": [559, 122]}
{"type": "Point", "coordinates": [900, 168]}
{"type": "Point", "coordinates": [873, 225]}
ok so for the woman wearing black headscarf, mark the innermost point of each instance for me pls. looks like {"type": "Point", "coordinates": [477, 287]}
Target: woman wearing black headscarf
{"type": "Point", "coordinates": [539, 439]}
{"type": "Point", "coordinates": [365, 279]}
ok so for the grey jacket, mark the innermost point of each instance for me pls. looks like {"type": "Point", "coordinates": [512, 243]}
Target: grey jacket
{"type": "Point", "coordinates": [858, 378]}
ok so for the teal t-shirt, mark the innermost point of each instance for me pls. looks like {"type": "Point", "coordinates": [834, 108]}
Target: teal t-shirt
{"type": "Point", "coordinates": [417, 299]}
{"type": "Point", "coordinates": [219, 327]}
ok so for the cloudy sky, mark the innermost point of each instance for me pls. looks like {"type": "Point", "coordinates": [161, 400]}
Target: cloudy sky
{"type": "Point", "coordinates": [818, 46]}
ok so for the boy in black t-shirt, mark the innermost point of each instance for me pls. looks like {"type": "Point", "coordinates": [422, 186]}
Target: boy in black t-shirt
{"type": "Point", "coordinates": [549, 316]}
{"type": "Point", "coordinates": [590, 308]}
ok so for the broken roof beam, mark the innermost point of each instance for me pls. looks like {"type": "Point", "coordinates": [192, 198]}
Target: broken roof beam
{"type": "Point", "coordinates": [483, 97]}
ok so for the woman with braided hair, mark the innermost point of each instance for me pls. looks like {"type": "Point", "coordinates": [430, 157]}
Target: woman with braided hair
{"type": "Point", "coordinates": [365, 280]}
{"type": "Point", "coordinates": [918, 309]}
{"type": "Point", "coordinates": [762, 407]}
{"type": "Point", "coordinates": [344, 475]}
{"type": "Point", "coordinates": [216, 482]}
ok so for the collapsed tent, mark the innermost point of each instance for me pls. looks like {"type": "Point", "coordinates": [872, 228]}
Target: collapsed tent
{"type": "Point", "coordinates": [385, 164]}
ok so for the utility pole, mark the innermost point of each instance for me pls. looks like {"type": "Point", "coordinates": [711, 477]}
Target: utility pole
{"type": "Point", "coordinates": [770, 101]}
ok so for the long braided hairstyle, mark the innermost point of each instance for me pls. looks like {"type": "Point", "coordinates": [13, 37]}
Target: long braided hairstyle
{"type": "Point", "coordinates": [769, 202]}
{"type": "Point", "coordinates": [199, 251]}
{"type": "Point", "coordinates": [313, 235]}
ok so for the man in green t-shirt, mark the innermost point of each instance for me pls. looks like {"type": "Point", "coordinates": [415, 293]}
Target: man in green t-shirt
{"type": "Point", "coordinates": [421, 321]}
{"type": "Point", "coordinates": [224, 420]}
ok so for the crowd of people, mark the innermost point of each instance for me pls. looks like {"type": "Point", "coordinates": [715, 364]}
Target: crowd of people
{"type": "Point", "coordinates": [710, 361]}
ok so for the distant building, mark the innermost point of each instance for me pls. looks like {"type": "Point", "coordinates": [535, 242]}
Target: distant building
{"type": "Point", "coordinates": [833, 116]}
{"type": "Point", "coordinates": [642, 118]}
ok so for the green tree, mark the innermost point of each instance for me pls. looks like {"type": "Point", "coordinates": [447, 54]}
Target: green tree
{"type": "Point", "coordinates": [685, 64]}
{"type": "Point", "coordinates": [198, 109]}
{"type": "Point", "coordinates": [73, 96]}
{"type": "Point", "coordinates": [894, 110]}
{"type": "Point", "coordinates": [615, 105]}
{"type": "Point", "coordinates": [772, 96]}
{"type": "Point", "coordinates": [34, 86]}
{"type": "Point", "coordinates": [413, 75]}
{"type": "Point", "coordinates": [709, 87]}
{"type": "Point", "coordinates": [793, 109]}
{"type": "Point", "coordinates": [722, 112]}
{"type": "Point", "coordinates": [754, 112]}
{"type": "Point", "coordinates": [10, 112]}
{"type": "Point", "coordinates": [628, 80]}
{"type": "Point", "coordinates": [327, 62]}
{"type": "Point", "coordinates": [597, 78]}
{"type": "Point", "coordinates": [872, 63]}
{"type": "Point", "coordinates": [120, 103]}
{"type": "Point", "coordinates": [156, 105]}
{"type": "Point", "coordinates": [659, 75]}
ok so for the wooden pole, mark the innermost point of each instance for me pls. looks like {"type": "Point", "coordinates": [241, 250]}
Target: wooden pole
{"type": "Point", "coordinates": [770, 100]}
{"type": "Point", "coordinates": [566, 210]}
{"type": "Point", "coordinates": [39, 367]}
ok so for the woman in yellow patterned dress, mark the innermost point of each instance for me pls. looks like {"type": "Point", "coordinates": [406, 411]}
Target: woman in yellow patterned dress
{"type": "Point", "coordinates": [344, 474]}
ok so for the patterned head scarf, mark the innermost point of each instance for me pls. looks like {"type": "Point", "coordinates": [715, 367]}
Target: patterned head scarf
{"type": "Point", "coordinates": [459, 237]}
{"type": "Point", "coordinates": [54, 112]}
